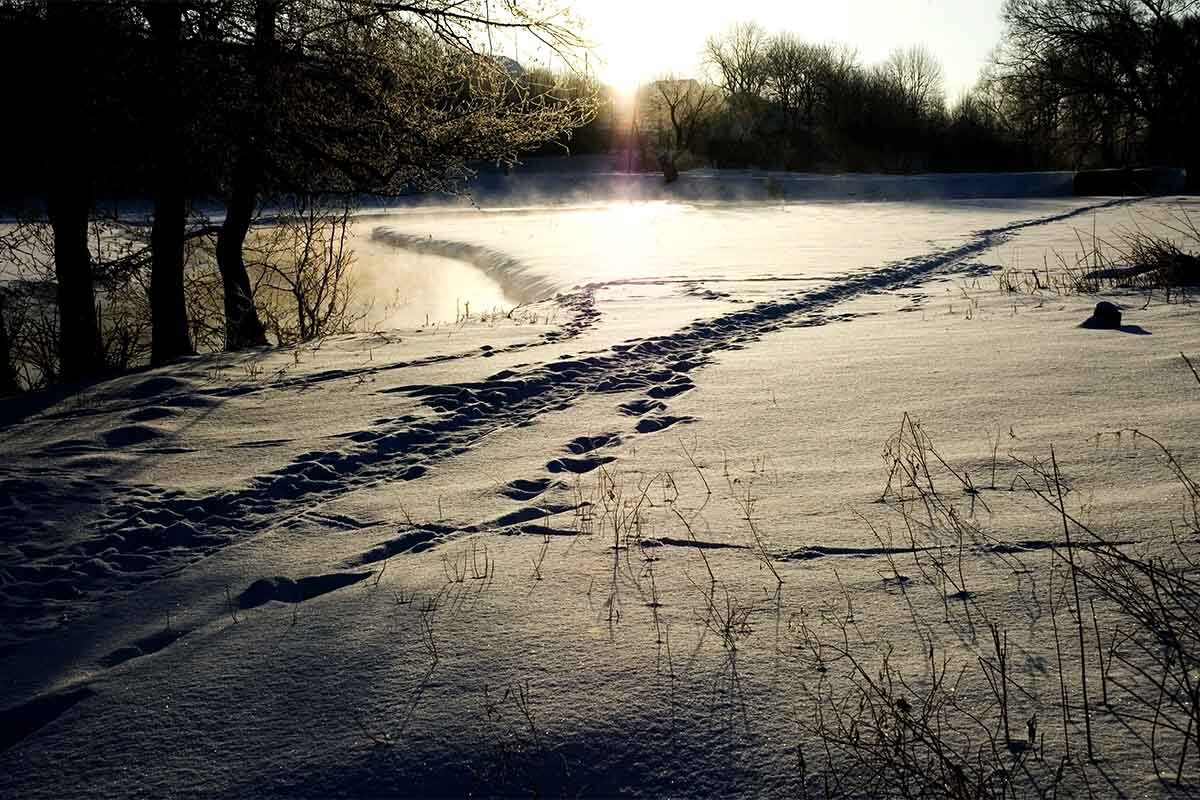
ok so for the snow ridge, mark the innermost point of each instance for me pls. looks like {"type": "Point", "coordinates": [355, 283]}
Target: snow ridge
{"type": "Point", "coordinates": [515, 278]}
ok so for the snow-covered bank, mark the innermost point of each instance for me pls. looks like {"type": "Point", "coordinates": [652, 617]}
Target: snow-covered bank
{"type": "Point", "coordinates": [510, 274]}
{"type": "Point", "coordinates": [489, 532]}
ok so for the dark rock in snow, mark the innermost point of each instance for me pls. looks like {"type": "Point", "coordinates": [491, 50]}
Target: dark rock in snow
{"type": "Point", "coordinates": [1105, 316]}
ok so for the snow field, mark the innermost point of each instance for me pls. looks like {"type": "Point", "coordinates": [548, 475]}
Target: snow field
{"type": "Point", "coordinates": [404, 564]}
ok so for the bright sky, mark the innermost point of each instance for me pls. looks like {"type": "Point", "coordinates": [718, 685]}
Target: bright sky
{"type": "Point", "coordinates": [638, 39]}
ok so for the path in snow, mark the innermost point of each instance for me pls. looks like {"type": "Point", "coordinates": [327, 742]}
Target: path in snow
{"type": "Point", "coordinates": [145, 531]}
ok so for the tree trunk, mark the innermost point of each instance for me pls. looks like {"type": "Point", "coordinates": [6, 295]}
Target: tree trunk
{"type": "Point", "coordinates": [810, 117]}
{"type": "Point", "coordinates": [8, 371]}
{"type": "Point", "coordinates": [69, 199]}
{"type": "Point", "coordinates": [78, 333]}
{"type": "Point", "coordinates": [242, 325]}
{"type": "Point", "coordinates": [168, 310]}
{"type": "Point", "coordinates": [678, 128]}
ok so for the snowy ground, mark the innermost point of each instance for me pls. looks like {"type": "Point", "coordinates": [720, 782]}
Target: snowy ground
{"type": "Point", "coordinates": [474, 557]}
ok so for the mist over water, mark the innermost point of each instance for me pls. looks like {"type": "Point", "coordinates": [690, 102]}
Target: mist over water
{"type": "Point", "coordinates": [396, 288]}
{"type": "Point", "coordinates": [433, 261]}
{"type": "Point", "coordinates": [431, 265]}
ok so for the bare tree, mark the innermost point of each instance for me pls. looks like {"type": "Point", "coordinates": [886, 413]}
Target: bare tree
{"type": "Point", "coordinates": [69, 187]}
{"type": "Point", "coordinates": [793, 76]}
{"type": "Point", "coordinates": [685, 103]}
{"type": "Point", "coordinates": [303, 263]}
{"type": "Point", "coordinates": [340, 95]}
{"type": "Point", "coordinates": [168, 237]}
{"type": "Point", "coordinates": [29, 294]}
{"type": "Point", "coordinates": [247, 176]}
{"type": "Point", "coordinates": [258, 99]}
{"type": "Point", "coordinates": [1120, 76]}
{"type": "Point", "coordinates": [800, 78]}
{"type": "Point", "coordinates": [917, 75]}
{"type": "Point", "coordinates": [8, 367]}
{"type": "Point", "coordinates": [739, 58]}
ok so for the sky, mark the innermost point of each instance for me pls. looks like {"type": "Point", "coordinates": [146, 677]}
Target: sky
{"type": "Point", "coordinates": [635, 40]}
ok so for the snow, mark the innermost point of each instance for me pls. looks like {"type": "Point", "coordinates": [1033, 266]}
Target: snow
{"type": "Point", "coordinates": [450, 557]}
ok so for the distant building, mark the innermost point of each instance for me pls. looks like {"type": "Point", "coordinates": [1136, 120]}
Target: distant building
{"type": "Point", "coordinates": [512, 67]}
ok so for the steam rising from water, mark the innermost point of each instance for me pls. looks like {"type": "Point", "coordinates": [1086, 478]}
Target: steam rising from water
{"type": "Point", "coordinates": [406, 287]}
{"type": "Point", "coordinates": [513, 278]}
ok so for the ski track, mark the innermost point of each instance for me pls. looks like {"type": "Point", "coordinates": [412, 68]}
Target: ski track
{"type": "Point", "coordinates": [161, 397]}
{"type": "Point", "coordinates": [145, 532]}
{"type": "Point", "coordinates": [584, 316]}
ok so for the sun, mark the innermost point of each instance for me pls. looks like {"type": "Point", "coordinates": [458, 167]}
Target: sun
{"type": "Point", "coordinates": [624, 71]}
{"type": "Point", "coordinates": [624, 49]}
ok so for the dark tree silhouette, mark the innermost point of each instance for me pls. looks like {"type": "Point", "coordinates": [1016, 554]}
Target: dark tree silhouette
{"type": "Point", "coordinates": [801, 77]}
{"type": "Point", "coordinates": [917, 75]}
{"type": "Point", "coordinates": [795, 104]}
{"type": "Point", "coordinates": [254, 101]}
{"type": "Point", "coordinates": [169, 337]}
{"type": "Point", "coordinates": [242, 325]}
{"type": "Point", "coordinates": [739, 58]}
{"type": "Point", "coordinates": [685, 102]}
{"type": "Point", "coordinates": [375, 97]}
{"type": "Point", "coordinates": [9, 384]}
{"type": "Point", "coordinates": [1114, 81]}
{"type": "Point", "coordinates": [67, 161]}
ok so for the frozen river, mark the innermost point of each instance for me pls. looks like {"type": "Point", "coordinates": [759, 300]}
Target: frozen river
{"type": "Point", "coordinates": [658, 242]}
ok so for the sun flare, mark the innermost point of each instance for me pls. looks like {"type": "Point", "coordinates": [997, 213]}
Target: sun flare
{"type": "Point", "coordinates": [625, 71]}
{"type": "Point", "coordinates": [626, 50]}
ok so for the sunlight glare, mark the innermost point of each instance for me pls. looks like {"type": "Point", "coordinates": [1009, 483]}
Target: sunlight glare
{"type": "Point", "coordinates": [640, 213]}
{"type": "Point", "coordinates": [625, 65]}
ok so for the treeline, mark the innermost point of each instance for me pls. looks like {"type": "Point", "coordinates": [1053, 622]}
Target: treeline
{"type": "Point", "coordinates": [241, 103]}
{"type": "Point", "coordinates": [1074, 84]}
{"type": "Point", "coordinates": [792, 104]}
{"type": "Point", "coordinates": [1100, 82]}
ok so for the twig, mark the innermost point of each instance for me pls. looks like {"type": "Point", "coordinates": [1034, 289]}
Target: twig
{"type": "Point", "coordinates": [699, 549]}
{"type": "Point", "coordinates": [1191, 366]}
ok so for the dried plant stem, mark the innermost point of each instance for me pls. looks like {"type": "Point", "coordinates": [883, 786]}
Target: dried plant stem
{"type": "Point", "coordinates": [1100, 655]}
{"type": "Point", "coordinates": [691, 535]}
{"type": "Point", "coordinates": [1191, 366]}
{"type": "Point", "coordinates": [1062, 678]}
{"type": "Point", "coordinates": [1087, 711]}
